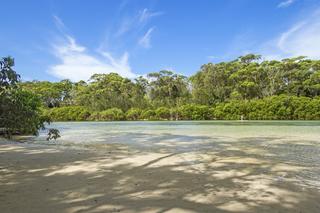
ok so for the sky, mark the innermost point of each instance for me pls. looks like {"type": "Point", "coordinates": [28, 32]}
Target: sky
{"type": "Point", "coordinates": [73, 39]}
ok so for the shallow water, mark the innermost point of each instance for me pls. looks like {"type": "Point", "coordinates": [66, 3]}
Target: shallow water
{"type": "Point", "coordinates": [192, 135]}
{"type": "Point", "coordinates": [293, 143]}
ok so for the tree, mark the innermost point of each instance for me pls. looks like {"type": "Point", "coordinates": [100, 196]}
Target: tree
{"type": "Point", "coordinates": [19, 109]}
{"type": "Point", "coordinates": [52, 94]}
{"type": "Point", "coordinates": [8, 77]}
{"type": "Point", "coordinates": [168, 89]}
{"type": "Point", "coordinates": [249, 58]}
{"type": "Point", "coordinates": [226, 90]}
{"type": "Point", "coordinates": [107, 91]}
{"type": "Point", "coordinates": [139, 93]}
{"type": "Point", "coordinates": [212, 84]}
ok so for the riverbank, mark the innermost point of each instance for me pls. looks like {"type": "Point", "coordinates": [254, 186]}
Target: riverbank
{"type": "Point", "coordinates": [37, 178]}
{"type": "Point", "coordinates": [274, 108]}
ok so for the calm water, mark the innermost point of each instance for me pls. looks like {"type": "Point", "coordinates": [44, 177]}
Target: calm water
{"type": "Point", "coordinates": [188, 135]}
{"type": "Point", "coordinates": [293, 143]}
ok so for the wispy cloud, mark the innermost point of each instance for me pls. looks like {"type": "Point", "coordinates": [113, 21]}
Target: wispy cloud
{"type": "Point", "coordinates": [285, 3]}
{"type": "Point", "coordinates": [126, 25]}
{"type": "Point", "coordinates": [301, 39]}
{"type": "Point", "coordinates": [58, 21]}
{"type": "Point", "coordinates": [285, 36]}
{"type": "Point", "coordinates": [59, 24]}
{"type": "Point", "coordinates": [211, 57]}
{"type": "Point", "coordinates": [146, 14]}
{"type": "Point", "coordinates": [145, 40]}
{"type": "Point", "coordinates": [137, 21]}
{"type": "Point", "coordinates": [77, 63]}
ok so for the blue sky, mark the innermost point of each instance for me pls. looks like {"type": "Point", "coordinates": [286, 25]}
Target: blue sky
{"type": "Point", "coordinates": [59, 39]}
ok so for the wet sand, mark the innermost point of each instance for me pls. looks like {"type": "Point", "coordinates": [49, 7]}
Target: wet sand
{"type": "Point", "coordinates": [42, 178]}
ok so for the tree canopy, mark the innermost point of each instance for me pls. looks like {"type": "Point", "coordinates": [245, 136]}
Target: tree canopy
{"type": "Point", "coordinates": [20, 109]}
{"type": "Point", "coordinates": [166, 95]}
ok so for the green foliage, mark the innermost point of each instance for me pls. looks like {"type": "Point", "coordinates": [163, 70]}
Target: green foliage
{"type": "Point", "coordinates": [194, 112]}
{"type": "Point", "coordinates": [52, 94]}
{"type": "Point", "coordinates": [163, 113]}
{"type": "Point", "coordinates": [19, 112]}
{"type": "Point", "coordinates": [247, 79]}
{"type": "Point", "coordinates": [68, 113]}
{"type": "Point", "coordinates": [271, 108]}
{"type": "Point", "coordinates": [107, 91]}
{"type": "Point", "coordinates": [113, 114]}
{"type": "Point", "coordinates": [133, 114]}
{"type": "Point", "coordinates": [8, 77]}
{"type": "Point", "coordinates": [19, 109]}
{"type": "Point", "coordinates": [246, 87]}
{"type": "Point", "coordinates": [148, 114]}
{"type": "Point", "coordinates": [53, 134]}
{"type": "Point", "coordinates": [168, 89]}
{"type": "Point", "coordinates": [281, 107]}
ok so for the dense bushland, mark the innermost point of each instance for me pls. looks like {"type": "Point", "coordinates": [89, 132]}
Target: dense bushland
{"type": "Point", "coordinates": [271, 108]}
{"type": "Point", "coordinates": [246, 87]}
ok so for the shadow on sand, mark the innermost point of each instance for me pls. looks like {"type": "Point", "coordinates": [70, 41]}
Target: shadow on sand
{"type": "Point", "coordinates": [222, 177]}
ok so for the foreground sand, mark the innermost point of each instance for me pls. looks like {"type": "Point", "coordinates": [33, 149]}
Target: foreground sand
{"type": "Point", "coordinates": [38, 178]}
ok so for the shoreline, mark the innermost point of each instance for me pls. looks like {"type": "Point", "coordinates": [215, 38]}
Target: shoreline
{"type": "Point", "coordinates": [129, 121]}
{"type": "Point", "coordinates": [40, 178]}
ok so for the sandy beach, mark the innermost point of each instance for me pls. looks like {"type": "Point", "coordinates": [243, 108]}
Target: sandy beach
{"type": "Point", "coordinates": [39, 178]}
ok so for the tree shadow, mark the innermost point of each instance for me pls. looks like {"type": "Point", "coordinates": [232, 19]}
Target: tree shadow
{"type": "Point", "coordinates": [244, 176]}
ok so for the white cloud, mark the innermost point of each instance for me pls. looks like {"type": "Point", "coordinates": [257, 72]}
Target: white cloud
{"type": "Point", "coordinates": [145, 41]}
{"type": "Point", "coordinates": [137, 22]}
{"type": "Point", "coordinates": [125, 26]}
{"type": "Point", "coordinates": [286, 35]}
{"type": "Point", "coordinates": [301, 39]}
{"type": "Point", "coordinates": [304, 41]}
{"type": "Point", "coordinates": [77, 64]}
{"type": "Point", "coordinates": [285, 3]}
{"type": "Point", "coordinates": [58, 22]}
{"type": "Point", "coordinates": [212, 57]}
{"type": "Point", "coordinates": [145, 15]}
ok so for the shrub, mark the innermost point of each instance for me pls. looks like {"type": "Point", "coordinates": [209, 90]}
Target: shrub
{"type": "Point", "coordinates": [148, 114]}
{"type": "Point", "coordinates": [112, 114]}
{"type": "Point", "coordinates": [163, 113]}
{"type": "Point", "coordinates": [133, 114]}
{"type": "Point", "coordinates": [20, 113]}
{"type": "Point", "coordinates": [194, 112]}
{"type": "Point", "coordinates": [68, 113]}
{"type": "Point", "coordinates": [281, 107]}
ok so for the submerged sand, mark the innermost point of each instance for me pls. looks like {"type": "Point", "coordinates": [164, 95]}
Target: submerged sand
{"type": "Point", "coordinates": [42, 178]}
